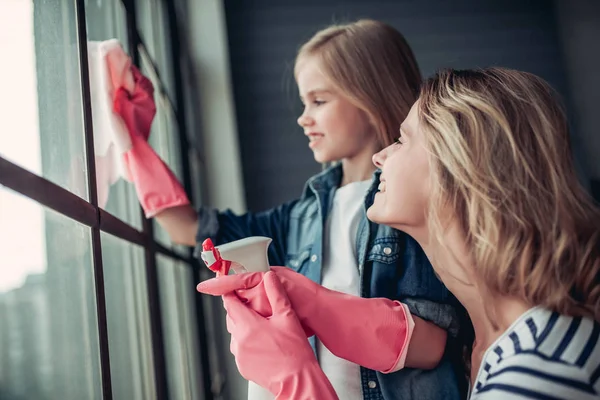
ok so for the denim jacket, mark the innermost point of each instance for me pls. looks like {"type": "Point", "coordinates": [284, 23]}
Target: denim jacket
{"type": "Point", "coordinates": [391, 263]}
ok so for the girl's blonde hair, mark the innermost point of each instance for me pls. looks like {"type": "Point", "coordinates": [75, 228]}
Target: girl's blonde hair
{"type": "Point", "coordinates": [502, 164]}
{"type": "Point", "coordinates": [371, 64]}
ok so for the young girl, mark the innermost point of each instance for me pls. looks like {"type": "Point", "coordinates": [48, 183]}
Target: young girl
{"type": "Point", "coordinates": [497, 206]}
{"type": "Point", "coordinates": [357, 83]}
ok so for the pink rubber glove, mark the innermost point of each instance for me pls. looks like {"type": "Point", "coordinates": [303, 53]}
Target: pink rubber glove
{"type": "Point", "coordinates": [272, 350]}
{"type": "Point", "coordinates": [156, 186]}
{"type": "Point", "coordinates": [374, 333]}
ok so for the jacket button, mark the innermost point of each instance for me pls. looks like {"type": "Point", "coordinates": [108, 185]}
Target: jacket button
{"type": "Point", "coordinates": [313, 258]}
{"type": "Point", "coordinates": [387, 251]}
{"type": "Point", "coordinates": [372, 384]}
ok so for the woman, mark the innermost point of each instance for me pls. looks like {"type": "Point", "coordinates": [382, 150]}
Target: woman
{"type": "Point", "coordinates": [496, 205]}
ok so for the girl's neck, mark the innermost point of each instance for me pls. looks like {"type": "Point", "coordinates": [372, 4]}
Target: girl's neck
{"type": "Point", "coordinates": [357, 169]}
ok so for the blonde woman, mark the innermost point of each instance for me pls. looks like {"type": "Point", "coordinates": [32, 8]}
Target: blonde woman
{"type": "Point", "coordinates": [357, 82]}
{"type": "Point", "coordinates": [495, 203]}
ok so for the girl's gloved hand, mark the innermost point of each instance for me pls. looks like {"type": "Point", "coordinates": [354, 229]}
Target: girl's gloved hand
{"type": "Point", "coordinates": [156, 186]}
{"type": "Point", "coordinates": [374, 333]}
{"type": "Point", "coordinates": [272, 350]}
{"type": "Point", "coordinates": [137, 109]}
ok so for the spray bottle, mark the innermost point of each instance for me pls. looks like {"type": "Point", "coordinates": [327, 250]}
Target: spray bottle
{"type": "Point", "coordinates": [244, 255]}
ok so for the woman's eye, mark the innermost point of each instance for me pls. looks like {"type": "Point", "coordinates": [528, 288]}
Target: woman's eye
{"type": "Point", "coordinates": [398, 140]}
{"type": "Point", "coordinates": [318, 102]}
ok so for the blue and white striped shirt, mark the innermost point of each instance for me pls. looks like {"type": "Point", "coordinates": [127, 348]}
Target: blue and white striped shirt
{"type": "Point", "coordinates": [543, 355]}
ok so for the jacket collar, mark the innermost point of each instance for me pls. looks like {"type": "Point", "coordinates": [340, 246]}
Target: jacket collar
{"type": "Point", "coordinates": [324, 181]}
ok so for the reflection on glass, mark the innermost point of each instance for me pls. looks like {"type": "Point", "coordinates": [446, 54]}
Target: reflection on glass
{"type": "Point", "coordinates": [40, 101]}
{"type": "Point", "coordinates": [129, 338]}
{"type": "Point", "coordinates": [48, 325]}
{"type": "Point", "coordinates": [177, 291]}
{"type": "Point", "coordinates": [152, 19]}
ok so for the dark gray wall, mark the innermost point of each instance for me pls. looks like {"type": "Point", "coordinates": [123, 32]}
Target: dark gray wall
{"type": "Point", "coordinates": [579, 28]}
{"type": "Point", "coordinates": [265, 34]}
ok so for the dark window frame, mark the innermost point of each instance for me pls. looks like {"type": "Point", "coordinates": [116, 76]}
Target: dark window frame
{"type": "Point", "coordinates": [61, 200]}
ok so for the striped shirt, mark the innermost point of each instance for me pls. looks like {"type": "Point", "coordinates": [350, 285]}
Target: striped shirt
{"type": "Point", "coordinates": [543, 355]}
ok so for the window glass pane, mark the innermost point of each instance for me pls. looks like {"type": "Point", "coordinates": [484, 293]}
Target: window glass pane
{"type": "Point", "coordinates": [40, 100]}
{"type": "Point", "coordinates": [163, 42]}
{"type": "Point", "coordinates": [177, 291]}
{"type": "Point", "coordinates": [48, 325]}
{"type": "Point", "coordinates": [129, 337]}
{"type": "Point", "coordinates": [145, 13]}
{"type": "Point", "coordinates": [106, 20]}
{"type": "Point", "coordinates": [152, 19]}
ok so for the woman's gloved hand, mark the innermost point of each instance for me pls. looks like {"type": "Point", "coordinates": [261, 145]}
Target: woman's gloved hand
{"type": "Point", "coordinates": [374, 333]}
{"type": "Point", "coordinates": [272, 350]}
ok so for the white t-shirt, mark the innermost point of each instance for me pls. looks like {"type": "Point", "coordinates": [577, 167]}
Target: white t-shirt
{"type": "Point", "coordinates": [340, 272]}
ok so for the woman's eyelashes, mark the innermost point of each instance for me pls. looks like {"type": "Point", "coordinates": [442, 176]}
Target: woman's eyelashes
{"type": "Point", "coordinates": [399, 140]}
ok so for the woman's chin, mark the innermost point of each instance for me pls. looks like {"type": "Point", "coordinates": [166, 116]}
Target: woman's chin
{"type": "Point", "coordinates": [373, 213]}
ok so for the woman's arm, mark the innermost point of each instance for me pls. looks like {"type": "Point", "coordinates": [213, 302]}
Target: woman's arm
{"type": "Point", "coordinates": [426, 346]}
{"type": "Point", "coordinates": [376, 333]}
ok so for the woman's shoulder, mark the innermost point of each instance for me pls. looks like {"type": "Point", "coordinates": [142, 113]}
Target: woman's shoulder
{"type": "Point", "coordinates": [545, 354]}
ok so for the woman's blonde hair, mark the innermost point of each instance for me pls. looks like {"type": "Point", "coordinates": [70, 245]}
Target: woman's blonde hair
{"type": "Point", "coordinates": [371, 64]}
{"type": "Point", "coordinates": [502, 162]}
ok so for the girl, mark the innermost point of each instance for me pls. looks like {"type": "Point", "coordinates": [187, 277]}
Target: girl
{"type": "Point", "coordinates": [357, 83]}
{"type": "Point", "coordinates": [497, 206]}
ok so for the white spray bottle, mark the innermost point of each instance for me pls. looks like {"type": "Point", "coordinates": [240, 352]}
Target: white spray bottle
{"type": "Point", "coordinates": [244, 255]}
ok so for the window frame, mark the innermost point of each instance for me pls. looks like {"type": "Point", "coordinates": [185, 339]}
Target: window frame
{"type": "Point", "coordinates": [88, 213]}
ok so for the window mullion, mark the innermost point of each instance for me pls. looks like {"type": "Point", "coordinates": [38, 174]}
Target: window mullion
{"type": "Point", "coordinates": [93, 199]}
{"type": "Point", "coordinates": [158, 347]}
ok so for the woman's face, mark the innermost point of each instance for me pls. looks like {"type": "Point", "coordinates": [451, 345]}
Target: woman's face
{"type": "Point", "coordinates": [403, 196]}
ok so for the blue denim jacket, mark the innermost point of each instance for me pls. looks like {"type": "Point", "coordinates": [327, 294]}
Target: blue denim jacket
{"type": "Point", "coordinates": [391, 263]}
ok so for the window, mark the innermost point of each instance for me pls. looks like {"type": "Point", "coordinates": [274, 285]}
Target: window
{"type": "Point", "coordinates": [48, 332]}
{"type": "Point", "coordinates": [95, 302]}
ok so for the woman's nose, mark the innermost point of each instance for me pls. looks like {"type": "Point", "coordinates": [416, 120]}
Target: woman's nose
{"type": "Point", "coordinates": [379, 158]}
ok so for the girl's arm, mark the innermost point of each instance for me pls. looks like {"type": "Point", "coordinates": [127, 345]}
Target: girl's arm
{"type": "Point", "coordinates": [181, 223]}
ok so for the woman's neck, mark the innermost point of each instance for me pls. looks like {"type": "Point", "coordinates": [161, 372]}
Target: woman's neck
{"type": "Point", "coordinates": [490, 315]}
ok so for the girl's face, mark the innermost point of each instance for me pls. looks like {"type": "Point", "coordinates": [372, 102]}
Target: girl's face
{"type": "Point", "coordinates": [403, 195]}
{"type": "Point", "coordinates": [336, 129]}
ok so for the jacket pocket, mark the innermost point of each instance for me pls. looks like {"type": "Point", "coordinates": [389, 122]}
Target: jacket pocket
{"type": "Point", "coordinates": [297, 260]}
{"type": "Point", "coordinates": [385, 250]}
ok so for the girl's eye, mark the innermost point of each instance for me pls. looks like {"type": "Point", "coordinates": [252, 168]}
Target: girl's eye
{"type": "Point", "coordinates": [398, 140]}
{"type": "Point", "coordinates": [318, 102]}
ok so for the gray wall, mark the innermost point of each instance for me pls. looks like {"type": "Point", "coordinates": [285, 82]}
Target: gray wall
{"type": "Point", "coordinates": [579, 29]}
{"type": "Point", "coordinates": [264, 36]}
